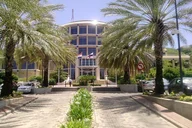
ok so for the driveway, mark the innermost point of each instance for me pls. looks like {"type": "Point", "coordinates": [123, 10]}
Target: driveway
{"type": "Point", "coordinates": [118, 110]}
{"type": "Point", "coordinates": [48, 111]}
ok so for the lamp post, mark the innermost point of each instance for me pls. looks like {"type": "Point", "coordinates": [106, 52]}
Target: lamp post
{"type": "Point", "coordinates": [179, 49]}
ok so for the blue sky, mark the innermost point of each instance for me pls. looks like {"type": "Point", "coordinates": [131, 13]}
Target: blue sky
{"type": "Point", "coordinates": [89, 10]}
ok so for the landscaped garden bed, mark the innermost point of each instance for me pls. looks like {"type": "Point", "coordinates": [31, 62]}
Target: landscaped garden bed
{"type": "Point", "coordinates": [80, 113]}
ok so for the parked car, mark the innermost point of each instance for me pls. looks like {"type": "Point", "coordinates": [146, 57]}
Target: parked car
{"type": "Point", "coordinates": [175, 85]}
{"type": "Point", "coordinates": [26, 87]}
{"type": "Point", "coordinates": [165, 83]}
{"type": "Point", "coordinates": [140, 85]}
{"type": "Point", "coordinates": [149, 85]}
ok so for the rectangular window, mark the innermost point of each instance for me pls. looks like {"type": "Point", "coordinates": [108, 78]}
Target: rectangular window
{"type": "Point", "coordinates": [31, 65]}
{"type": "Point", "coordinates": [23, 65]}
{"type": "Point", "coordinates": [83, 51]}
{"type": "Point", "coordinates": [100, 29]}
{"type": "Point", "coordinates": [99, 40]}
{"type": "Point", "coordinates": [91, 30]}
{"type": "Point", "coordinates": [82, 30]}
{"type": "Point", "coordinates": [74, 41]}
{"type": "Point", "coordinates": [73, 73]}
{"type": "Point", "coordinates": [74, 30]}
{"type": "Point", "coordinates": [82, 40]}
{"type": "Point", "coordinates": [91, 40]}
{"type": "Point", "coordinates": [92, 50]}
{"type": "Point", "coordinates": [102, 75]}
{"type": "Point", "coordinates": [14, 65]}
{"type": "Point", "coordinates": [92, 62]}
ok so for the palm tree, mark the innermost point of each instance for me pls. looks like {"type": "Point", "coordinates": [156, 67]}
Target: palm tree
{"type": "Point", "coordinates": [153, 21]}
{"type": "Point", "coordinates": [60, 53]}
{"type": "Point", "coordinates": [17, 20]}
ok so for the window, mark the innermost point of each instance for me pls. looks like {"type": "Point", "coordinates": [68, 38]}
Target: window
{"type": "Point", "coordinates": [91, 40]}
{"type": "Point", "coordinates": [82, 40]}
{"type": "Point", "coordinates": [92, 62]}
{"type": "Point", "coordinates": [82, 30]}
{"type": "Point", "coordinates": [102, 73]}
{"type": "Point", "coordinates": [99, 40]}
{"type": "Point", "coordinates": [91, 29]}
{"type": "Point", "coordinates": [99, 29]}
{"type": "Point", "coordinates": [23, 65]}
{"type": "Point", "coordinates": [92, 50]}
{"type": "Point", "coordinates": [74, 41]}
{"type": "Point", "coordinates": [31, 65]}
{"type": "Point", "coordinates": [14, 65]}
{"type": "Point", "coordinates": [83, 51]}
{"type": "Point", "coordinates": [74, 30]}
{"type": "Point", "coordinates": [73, 73]}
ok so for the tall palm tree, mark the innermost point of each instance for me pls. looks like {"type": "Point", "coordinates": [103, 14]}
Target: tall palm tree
{"type": "Point", "coordinates": [17, 19]}
{"type": "Point", "coordinates": [153, 21]}
{"type": "Point", "coordinates": [60, 52]}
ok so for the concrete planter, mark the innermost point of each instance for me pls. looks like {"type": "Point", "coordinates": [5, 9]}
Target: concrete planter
{"type": "Point", "coordinates": [128, 87]}
{"type": "Point", "coordinates": [42, 90]}
{"type": "Point", "coordinates": [180, 107]}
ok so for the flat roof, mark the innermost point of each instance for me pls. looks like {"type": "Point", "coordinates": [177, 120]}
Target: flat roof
{"type": "Point", "coordinates": [94, 22]}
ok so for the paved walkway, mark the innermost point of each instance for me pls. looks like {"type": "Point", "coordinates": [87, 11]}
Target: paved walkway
{"type": "Point", "coordinates": [47, 111]}
{"type": "Point", "coordinates": [119, 110]}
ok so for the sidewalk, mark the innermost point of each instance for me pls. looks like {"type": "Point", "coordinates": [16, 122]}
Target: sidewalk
{"type": "Point", "coordinates": [9, 106]}
{"type": "Point", "coordinates": [169, 115]}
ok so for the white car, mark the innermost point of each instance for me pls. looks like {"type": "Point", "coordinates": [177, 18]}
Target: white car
{"type": "Point", "coordinates": [149, 85]}
{"type": "Point", "coordinates": [26, 87]}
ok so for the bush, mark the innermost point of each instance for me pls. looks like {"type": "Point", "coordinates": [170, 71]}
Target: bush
{"type": "Point", "coordinates": [140, 77]}
{"type": "Point", "coordinates": [52, 82]}
{"type": "Point", "coordinates": [2, 77]}
{"type": "Point", "coordinates": [75, 84]}
{"type": "Point", "coordinates": [171, 73]}
{"type": "Point", "coordinates": [80, 114]}
{"type": "Point", "coordinates": [54, 75]}
{"type": "Point", "coordinates": [188, 73]}
{"type": "Point", "coordinates": [84, 80]}
{"type": "Point", "coordinates": [17, 94]}
{"type": "Point", "coordinates": [36, 78]}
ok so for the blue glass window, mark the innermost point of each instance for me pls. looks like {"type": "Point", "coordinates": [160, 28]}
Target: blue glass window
{"type": "Point", "coordinates": [99, 29]}
{"type": "Point", "coordinates": [99, 41]}
{"type": "Point", "coordinates": [31, 65]}
{"type": "Point", "coordinates": [72, 66]}
{"type": "Point", "coordinates": [14, 65]}
{"type": "Point", "coordinates": [91, 40]}
{"type": "Point", "coordinates": [82, 40]}
{"type": "Point", "coordinates": [90, 50]}
{"type": "Point", "coordinates": [92, 62]}
{"type": "Point", "coordinates": [91, 30]}
{"type": "Point", "coordinates": [74, 41]}
{"type": "Point", "coordinates": [102, 75]}
{"type": "Point", "coordinates": [82, 30]}
{"type": "Point", "coordinates": [74, 30]}
{"type": "Point", "coordinates": [83, 51]}
{"type": "Point", "coordinates": [73, 73]}
{"type": "Point", "coordinates": [23, 65]}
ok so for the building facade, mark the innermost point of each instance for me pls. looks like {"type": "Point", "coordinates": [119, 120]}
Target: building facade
{"type": "Point", "coordinates": [87, 40]}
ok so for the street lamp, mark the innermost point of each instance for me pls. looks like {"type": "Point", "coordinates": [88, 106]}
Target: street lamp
{"type": "Point", "coordinates": [179, 49]}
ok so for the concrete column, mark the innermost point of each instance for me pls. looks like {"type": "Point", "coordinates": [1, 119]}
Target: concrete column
{"type": "Point", "coordinates": [77, 69]}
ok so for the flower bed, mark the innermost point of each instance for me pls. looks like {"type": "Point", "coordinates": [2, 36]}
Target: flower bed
{"type": "Point", "coordinates": [80, 114]}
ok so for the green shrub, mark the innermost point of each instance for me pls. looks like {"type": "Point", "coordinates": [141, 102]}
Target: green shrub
{"type": "Point", "coordinates": [140, 77]}
{"type": "Point", "coordinates": [95, 84]}
{"type": "Point", "coordinates": [36, 78]}
{"type": "Point", "coordinates": [2, 77]}
{"type": "Point", "coordinates": [188, 73]}
{"type": "Point", "coordinates": [75, 84]}
{"type": "Point", "coordinates": [187, 98]}
{"type": "Point", "coordinates": [80, 114]}
{"type": "Point", "coordinates": [52, 82]}
{"type": "Point", "coordinates": [63, 76]}
{"type": "Point", "coordinates": [171, 73]}
{"type": "Point", "coordinates": [85, 79]}
{"type": "Point", "coordinates": [17, 94]}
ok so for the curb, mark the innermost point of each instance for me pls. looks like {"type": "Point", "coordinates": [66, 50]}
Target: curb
{"type": "Point", "coordinates": [147, 105]}
{"type": "Point", "coordinates": [12, 107]}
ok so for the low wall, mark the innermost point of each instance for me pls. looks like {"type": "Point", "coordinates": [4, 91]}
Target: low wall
{"type": "Point", "coordinates": [10, 101]}
{"type": "Point", "coordinates": [180, 107]}
{"type": "Point", "coordinates": [128, 87]}
{"type": "Point", "coordinates": [42, 90]}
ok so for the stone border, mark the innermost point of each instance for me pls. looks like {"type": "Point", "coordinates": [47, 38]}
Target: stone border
{"type": "Point", "coordinates": [180, 107]}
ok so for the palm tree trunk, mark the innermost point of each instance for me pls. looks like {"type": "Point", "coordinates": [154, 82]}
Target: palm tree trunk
{"type": "Point", "coordinates": [45, 70]}
{"type": "Point", "coordinates": [126, 76]}
{"type": "Point", "coordinates": [9, 51]}
{"type": "Point", "coordinates": [159, 88]}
